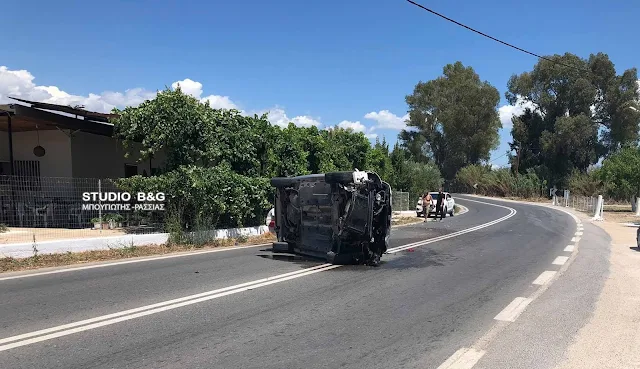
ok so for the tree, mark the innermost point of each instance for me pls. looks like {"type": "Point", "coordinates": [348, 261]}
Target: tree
{"type": "Point", "coordinates": [379, 161]}
{"type": "Point", "coordinates": [453, 120]}
{"type": "Point", "coordinates": [346, 149]}
{"type": "Point", "coordinates": [189, 132]}
{"type": "Point", "coordinates": [621, 175]}
{"type": "Point", "coordinates": [573, 100]}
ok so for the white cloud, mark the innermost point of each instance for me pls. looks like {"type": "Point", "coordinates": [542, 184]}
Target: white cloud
{"type": "Point", "coordinates": [506, 112]}
{"type": "Point", "coordinates": [19, 83]}
{"type": "Point", "coordinates": [194, 88]}
{"type": "Point", "coordinates": [387, 120]}
{"type": "Point", "coordinates": [358, 127]}
{"type": "Point", "coordinates": [277, 116]}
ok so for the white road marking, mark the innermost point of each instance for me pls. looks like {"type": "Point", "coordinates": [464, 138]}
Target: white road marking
{"type": "Point", "coordinates": [101, 321]}
{"type": "Point", "coordinates": [545, 277]}
{"type": "Point", "coordinates": [140, 260]}
{"type": "Point", "coordinates": [574, 239]}
{"type": "Point", "coordinates": [512, 212]}
{"type": "Point", "coordinates": [560, 260]}
{"type": "Point", "coordinates": [569, 248]}
{"type": "Point", "coordinates": [579, 233]}
{"type": "Point", "coordinates": [513, 310]}
{"type": "Point", "coordinates": [465, 358]}
{"type": "Point", "coordinates": [518, 304]}
{"type": "Point", "coordinates": [122, 316]}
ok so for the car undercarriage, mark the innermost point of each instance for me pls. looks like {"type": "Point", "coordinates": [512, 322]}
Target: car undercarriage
{"type": "Point", "coordinates": [342, 217]}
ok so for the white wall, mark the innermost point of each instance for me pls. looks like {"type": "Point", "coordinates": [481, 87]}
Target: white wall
{"type": "Point", "coordinates": [57, 159]}
{"type": "Point", "coordinates": [97, 156]}
{"type": "Point", "coordinates": [83, 155]}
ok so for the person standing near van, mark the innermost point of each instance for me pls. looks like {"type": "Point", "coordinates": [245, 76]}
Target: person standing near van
{"type": "Point", "coordinates": [426, 204]}
{"type": "Point", "coordinates": [440, 205]}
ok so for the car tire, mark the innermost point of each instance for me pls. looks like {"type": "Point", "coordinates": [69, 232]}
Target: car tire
{"type": "Point", "coordinates": [338, 177]}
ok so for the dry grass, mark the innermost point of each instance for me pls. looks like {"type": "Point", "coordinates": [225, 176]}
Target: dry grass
{"type": "Point", "coordinates": [406, 221]}
{"type": "Point", "coordinates": [621, 217]}
{"type": "Point", "coordinates": [9, 264]}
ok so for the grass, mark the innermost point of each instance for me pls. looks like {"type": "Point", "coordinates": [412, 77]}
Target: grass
{"type": "Point", "coordinates": [9, 264]}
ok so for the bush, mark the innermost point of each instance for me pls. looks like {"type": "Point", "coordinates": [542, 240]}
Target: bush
{"type": "Point", "coordinates": [203, 199]}
{"type": "Point", "coordinates": [501, 182]}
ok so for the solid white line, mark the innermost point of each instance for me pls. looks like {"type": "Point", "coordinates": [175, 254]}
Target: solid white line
{"type": "Point", "coordinates": [569, 248]}
{"type": "Point", "coordinates": [560, 260]}
{"type": "Point", "coordinates": [545, 277]}
{"type": "Point", "coordinates": [512, 212]}
{"type": "Point", "coordinates": [513, 310]}
{"type": "Point", "coordinates": [140, 260]}
{"type": "Point", "coordinates": [157, 310]}
{"type": "Point", "coordinates": [217, 292]}
{"type": "Point", "coordinates": [465, 358]}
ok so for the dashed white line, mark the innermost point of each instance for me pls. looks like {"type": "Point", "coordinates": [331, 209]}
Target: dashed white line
{"type": "Point", "coordinates": [574, 239]}
{"type": "Point", "coordinates": [569, 248]}
{"type": "Point", "coordinates": [579, 233]}
{"type": "Point", "coordinates": [545, 277]}
{"type": "Point", "coordinates": [560, 260]}
{"type": "Point", "coordinates": [513, 310]}
{"type": "Point", "coordinates": [465, 358]}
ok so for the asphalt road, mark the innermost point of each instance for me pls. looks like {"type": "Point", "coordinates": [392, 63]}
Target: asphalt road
{"type": "Point", "coordinates": [414, 311]}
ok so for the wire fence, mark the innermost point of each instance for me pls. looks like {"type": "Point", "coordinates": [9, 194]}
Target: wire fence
{"type": "Point", "coordinates": [588, 204]}
{"type": "Point", "coordinates": [401, 201]}
{"type": "Point", "coordinates": [51, 208]}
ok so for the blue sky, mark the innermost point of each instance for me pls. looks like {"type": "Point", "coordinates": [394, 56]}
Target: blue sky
{"type": "Point", "coordinates": [322, 61]}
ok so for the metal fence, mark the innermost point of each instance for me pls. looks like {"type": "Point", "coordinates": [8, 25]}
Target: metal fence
{"type": "Point", "coordinates": [401, 201]}
{"type": "Point", "coordinates": [588, 204]}
{"type": "Point", "coordinates": [50, 208]}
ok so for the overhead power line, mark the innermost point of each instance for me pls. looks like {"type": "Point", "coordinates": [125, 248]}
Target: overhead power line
{"type": "Point", "coordinates": [497, 40]}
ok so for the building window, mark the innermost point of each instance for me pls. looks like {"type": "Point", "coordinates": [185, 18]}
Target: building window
{"type": "Point", "coordinates": [130, 170]}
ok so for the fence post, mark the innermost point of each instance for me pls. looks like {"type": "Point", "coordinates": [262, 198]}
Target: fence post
{"type": "Point", "coordinates": [599, 209]}
{"type": "Point", "coordinates": [100, 203]}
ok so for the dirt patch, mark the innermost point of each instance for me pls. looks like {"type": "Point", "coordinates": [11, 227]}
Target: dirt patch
{"type": "Point", "coordinates": [10, 264]}
{"type": "Point", "coordinates": [621, 217]}
{"type": "Point", "coordinates": [406, 220]}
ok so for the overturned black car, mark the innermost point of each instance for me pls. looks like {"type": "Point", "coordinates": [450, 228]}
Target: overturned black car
{"type": "Point", "coordinates": [344, 217]}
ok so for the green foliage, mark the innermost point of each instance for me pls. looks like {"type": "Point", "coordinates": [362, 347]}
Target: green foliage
{"type": "Point", "coordinates": [577, 116]}
{"type": "Point", "coordinates": [620, 174]}
{"type": "Point", "coordinates": [499, 182]}
{"type": "Point", "coordinates": [3, 228]}
{"type": "Point", "coordinates": [586, 184]}
{"type": "Point", "coordinates": [208, 198]}
{"type": "Point", "coordinates": [453, 120]}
